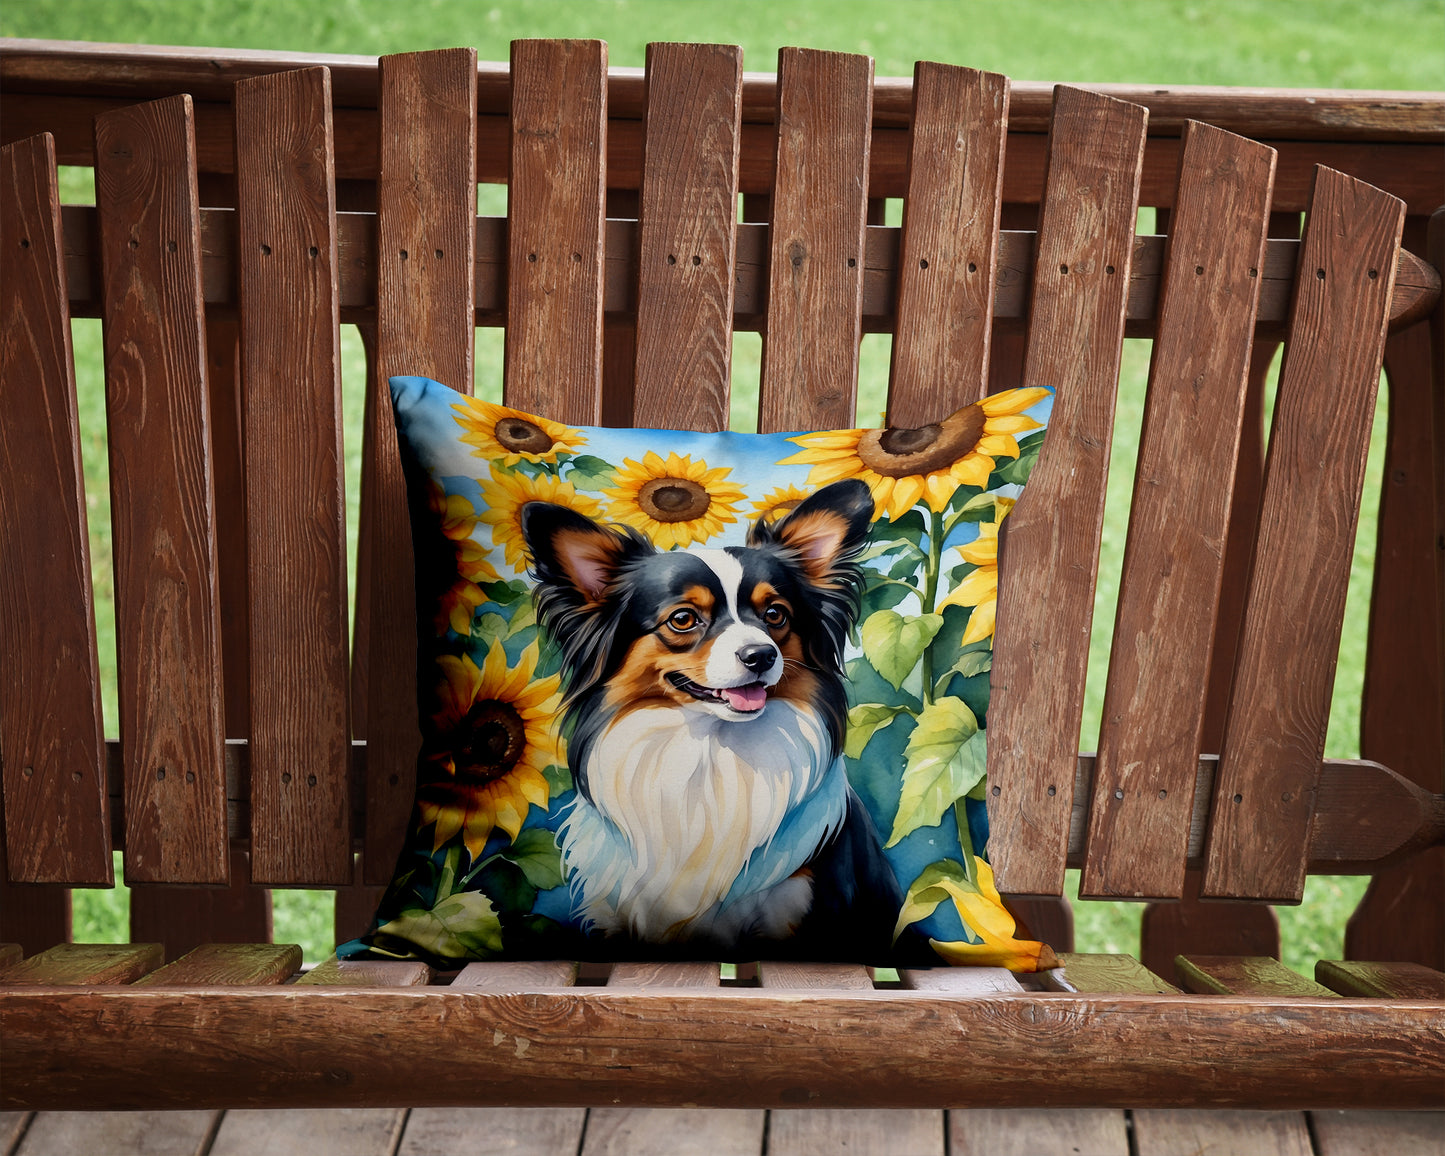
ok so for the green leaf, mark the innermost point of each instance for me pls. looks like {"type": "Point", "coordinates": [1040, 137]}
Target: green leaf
{"type": "Point", "coordinates": [894, 644]}
{"type": "Point", "coordinates": [588, 472]}
{"type": "Point", "coordinates": [523, 616]}
{"type": "Point", "coordinates": [945, 758]}
{"type": "Point", "coordinates": [505, 593]}
{"type": "Point", "coordinates": [535, 852]}
{"type": "Point", "coordinates": [864, 721]}
{"type": "Point", "coordinates": [1017, 471]}
{"type": "Point", "coordinates": [969, 664]}
{"type": "Point", "coordinates": [488, 628]}
{"type": "Point", "coordinates": [924, 893]}
{"type": "Point", "coordinates": [559, 780]}
{"type": "Point", "coordinates": [881, 596]}
{"type": "Point", "coordinates": [979, 508]}
{"type": "Point", "coordinates": [461, 926]}
{"type": "Point", "coordinates": [907, 564]}
{"type": "Point", "coordinates": [866, 685]}
{"type": "Point", "coordinates": [911, 526]}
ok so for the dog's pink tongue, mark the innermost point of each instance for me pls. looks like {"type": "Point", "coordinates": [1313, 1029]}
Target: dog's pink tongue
{"type": "Point", "coordinates": [746, 698]}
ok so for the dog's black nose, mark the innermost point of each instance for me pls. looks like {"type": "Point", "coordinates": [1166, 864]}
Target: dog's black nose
{"type": "Point", "coordinates": [758, 657]}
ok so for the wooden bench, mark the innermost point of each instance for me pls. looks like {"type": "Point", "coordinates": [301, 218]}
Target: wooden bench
{"type": "Point", "coordinates": [247, 204]}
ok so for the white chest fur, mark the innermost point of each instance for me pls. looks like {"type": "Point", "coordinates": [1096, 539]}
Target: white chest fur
{"type": "Point", "coordinates": [681, 802]}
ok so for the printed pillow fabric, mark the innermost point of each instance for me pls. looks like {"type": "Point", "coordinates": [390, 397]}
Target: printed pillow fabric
{"type": "Point", "coordinates": [715, 696]}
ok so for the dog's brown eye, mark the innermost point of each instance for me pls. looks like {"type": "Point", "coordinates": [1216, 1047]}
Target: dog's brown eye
{"type": "Point", "coordinates": [776, 615]}
{"type": "Point", "coordinates": [683, 619]}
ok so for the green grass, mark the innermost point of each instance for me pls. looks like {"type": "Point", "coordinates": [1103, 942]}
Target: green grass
{"type": "Point", "coordinates": [1307, 43]}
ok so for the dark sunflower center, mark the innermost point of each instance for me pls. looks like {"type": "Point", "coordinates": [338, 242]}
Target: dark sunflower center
{"type": "Point", "coordinates": [524, 436]}
{"type": "Point", "coordinates": [673, 500]}
{"type": "Point", "coordinates": [494, 739]}
{"type": "Point", "coordinates": [899, 453]}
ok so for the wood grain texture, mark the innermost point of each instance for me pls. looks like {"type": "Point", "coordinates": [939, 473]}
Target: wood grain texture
{"type": "Point", "coordinates": [57, 824]}
{"type": "Point", "coordinates": [1170, 1132]}
{"type": "Point", "coordinates": [555, 206]}
{"type": "Point", "coordinates": [959, 980]}
{"type": "Point", "coordinates": [868, 1132]}
{"type": "Point", "coordinates": [426, 217]}
{"type": "Point", "coordinates": [664, 975]}
{"type": "Point", "coordinates": [183, 918]}
{"type": "Point", "coordinates": [687, 236]}
{"type": "Point", "coordinates": [228, 963]}
{"type": "Point", "coordinates": [1383, 980]}
{"type": "Point", "coordinates": [514, 1131]}
{"type": "Point", "coordinates": [335, 972]}
{"type": "Point", "coordinates": [168, 634]}
{"type": "Point", "coordinates": [34, 915]}
{"type": "Point", "coordinates": [120, 1133]}
{"type": "Point", "coordinates": [674, 1132]}
{"type": "Point", "coordinates": [1340, 1133]}
{"type": "Point", "coordinates": [1097, 972]}
{"type": "Point", "coordinates": [70, 964]}
{"type": "Point", "coordinates": [333, 1132]}
{"type": "Point", "coordinates": [1153, 716]}
{"type": "Point", "coordinates": [949, 247]}
{"type": "Point", "coordinates": [300, 742]}
{"type": "Point", "coordinates": [1081, 274]}
{"type": "Point", "coordinates": [1191, 925]}
{"type": "Point", "coordinates": [1274, 738]}
{"type": "Point", "coordinates": [517, 975]}
{"type": "Point", "coordinates": [1399, 915]}
{"type": "Point", "coordinates": [1030, 1131]}
{"type": "Point", "coordinates": [787, 975]}
{"type": "Point", "coordinates": [1242, 975]}
{"type": "Point", "coordinates": [815, 255]}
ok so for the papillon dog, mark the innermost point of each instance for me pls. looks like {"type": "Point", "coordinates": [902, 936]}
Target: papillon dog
{"type": "Point", "coordinates": [705, 711]}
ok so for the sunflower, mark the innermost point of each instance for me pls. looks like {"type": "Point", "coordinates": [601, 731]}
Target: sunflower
{"type": "Point", "coordinates": [456, 605]}
{"type": "Point", "coordinates": [903, 465]}
{"type": "Point", "coordinates": [983, 912]}
{"type": "Point", "coordinates": [979, 588]}
{"type": "Point", "coordinates": [459, 523]}
{"type": "Point", "coordinates": [505, 496]}
{"type": "Point", "coordinates": [779, 502]}
{"type": "Point", "coordinates": [508, 435]}
{"type": "Point", "coordinates": [674, 502]}
{"type": "Point", "coordinates": [494, 734]}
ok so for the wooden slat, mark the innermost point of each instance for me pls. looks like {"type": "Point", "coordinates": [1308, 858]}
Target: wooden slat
{"type": "Point", "coordinates": [1275, 735]}
{"type": "Point", "coordinates": [816, 258]}
{"type": "Point", "coordinates": [121, 1133]}
{"type": "Point", "coordinates": [183, 918]}
{"type": "Point", "coordinates": [10, 953]}
{"type": "Point", "coordinates": [664, 975]}
{"type": "Point", "coordinates": [515, 1131]}
{"type": "Point", "coordinates": [960, 980]}
{"type": "Point", "coordinates": [228, 963]}
{"type": "Point", "coordinates": [869, 1132]}
{"type": "Point", "coordinates": [1242, 975]}
{"type": "Point", "coordinates": [1170, 1132]}
{"type": "Point", "coordinates": [168, 634]}
{"type": "Point", "coordinates": [57, 827]}
{"type": "Point", "coordinates": [1340, 1133]}
{"type": "Point", "coordinates": [367, 973]}
{"type": "Point", "coordinates": [1190, 925]}
{"type": "Point", "coordinates": [300, 831]}
{"type": "Point", "coordinates": [1153, 713]}
{"type": "Point", "coordinates": [426, 216]}
{"type": "Point", "coordinates": [555, 205]}
{"type": "Point", "coordinates": [949, 248]}
{"type": "Point", "coordinates": [687, 236]}
{"type": "Point", "coordinates": [34, 915]}
{"type": "Point", "coordinates": [787, 975]}
{"type": "Point", "coordinates": [1030, 1131]}
{"type": "Point", "coordinates": [86, 963]}
{"type": "Point", "coordinates": [1383, 980]}
{"type": "Point", "coordinates": [674, 1132]}
{"type": "Point", "coordinates": [518, 975]}
{"type": "Point", "coordinates": [1097, 972]}
{"type": "Point", "coordinates": [325, 1132]}
{"type": "Point", "coordinates": [1081, 274]}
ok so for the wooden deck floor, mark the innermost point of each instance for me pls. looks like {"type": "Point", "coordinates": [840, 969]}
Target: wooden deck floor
{"type": "Point", "coordinates": [699, 1132]}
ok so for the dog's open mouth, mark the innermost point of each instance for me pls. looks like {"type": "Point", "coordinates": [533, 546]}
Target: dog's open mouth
{"type": "Point", "coordinates": [747, 699]}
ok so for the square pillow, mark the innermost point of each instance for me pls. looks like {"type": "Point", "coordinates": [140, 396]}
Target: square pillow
{"type": "Point", "coordinates": [715, 696]}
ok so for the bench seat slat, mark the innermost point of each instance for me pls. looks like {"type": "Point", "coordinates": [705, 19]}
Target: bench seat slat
{"type": "Point", "coordinates": [168, 641]}
{"type": "Point", "coordinates": [787, 975]}
{"type": "Point", "coordinates": [517, 975]}
{"type": "Point", "coordinates": [1383, 980]}
{"type": "Point", "coordinates": [1091, 972]}
{"type": "Point", "coordinates": [84, 964]}
{"type": "Point", "coordinates": [56, 818]}
{"type": "Point", "coordinates": [335, 972]}
{"type": "Point", "coordinates": [1243, 975]}
{"type": "Point", "coordinates": [184, 918]}
{"type": "Point", "coordinates": [228, 963]}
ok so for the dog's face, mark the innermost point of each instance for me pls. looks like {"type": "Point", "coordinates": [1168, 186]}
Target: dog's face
{"type": "Point", "coordinates": [716, 631]}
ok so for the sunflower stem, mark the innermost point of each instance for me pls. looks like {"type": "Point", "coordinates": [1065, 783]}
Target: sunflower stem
{"type": "Point", "coordinates": [930, 594]}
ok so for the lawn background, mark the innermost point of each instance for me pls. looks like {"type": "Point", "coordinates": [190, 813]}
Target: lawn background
{"type": "Point", "coordinates": [1380, 44]}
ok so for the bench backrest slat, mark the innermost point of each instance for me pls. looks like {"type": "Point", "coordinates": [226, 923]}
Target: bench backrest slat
{"type": "Point", "coordinates": [555, 212]}
{"type": "Point", "coordinates": [947, 264]}
{"type": "Point", "coordinates": [56, 813]}
{"type": "Point", "coordinates": [1173, 562]}
{"type": "Point", "coordinates": [168, 640]}
{"type": "Point", "coordinates": [816, 263]}
{"type": "Point", "coordinates": [1275, 734]}
{"type": "Point", "coordinates": [1075, 340]}
{"type": "Point", "coordinates": [687, 236]}
{"type": "Point", "coordinates": [426, 242]}
{"type": "Point", "coordinates": [295, 502]}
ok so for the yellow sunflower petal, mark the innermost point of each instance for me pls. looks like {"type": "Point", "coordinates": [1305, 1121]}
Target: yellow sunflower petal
{"type": "Point", "coordinates": [972, 470]}
{"type": "Point", "coordinates": [939, 488]}
{"type": "Point", "coordinates": [980, 622]}
{"type": "Point", "coordinates": [997, 446]}
{"type": "Point", "coordinates": [1013, 400]}
{"type": "Point", "coordinates": [1010, 424]}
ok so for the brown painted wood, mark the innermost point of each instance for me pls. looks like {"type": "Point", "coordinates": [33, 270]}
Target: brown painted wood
{"type": "Point", "coordinates": [426, 217]}
{"type": "Point", "coordinates": [1153, 715]}
{"type": "Point", "coordinates": [1275, 734]}
{"type": "Point", "coordinates": [947, 268]}
{"type": "Point", "coordinates": [168, 641]}
{"type": "Point", "coordinates": [1048, 918]}
{"type": "Point", "coordinates": [1190, 926]}
{"type": "Point", "coordinates": [1242, 975]}
{"type": "Point", "coordinates": [228, 963]}
{"type": "Point", "coordinates": [34, 915]}
{"type": "Point", "coordinates": [515, 1131]}
{"type": "Point", "coordinates": [788, 975]}
{"type": "Point", "coordinates": [555, 207]}
{"type": "Point", "coordinates": [1399, 915]}
{"type": "Point", "coordinates": [673, 1132]}
{"type": "Point", "coordinates": [1090, 972]}
{"type": "Point", "coordinates": [1338, 1133]}
{"type": "Point", "coordinates": [910, 1131]}
{"type": "Point", "coordinates": [355, 905]}
{"type": "Point", "coordinates": [816, 260]}
{"type": "Point", "coordinates": [959, 980]}
{"type": "Point", "coordinates": [85, 963]}
{"type": "Point", "coordinates": [335, 972]}
{"type": "Point", "coordinates": [183, 918]}
{"type": "Point", "coordinates": [334, 1132]}
{"type": "Point", "coordinates": [664, 975]}
{"type": "Point", "coordinates": [1169, 1132]}
{"type": "Point", "coordinates": [1030, 1131]}
{"type": "Point", "coordinates": [1081, 275]}
{"type": "Point", "coordinates": [687, 236]}
{"type": "Point", "coordinates": [1383, 980]}
{"type": "Point", "coordinates": [56, 818]}
{"type": "Point", "coordinates": [300, 830]}
{"type": "Point", "coordinates": [517, 975]}
{"type": "Point", "coordinates": [120, 1133]}
{"type": "Point", "coordinates": [1436, 249]}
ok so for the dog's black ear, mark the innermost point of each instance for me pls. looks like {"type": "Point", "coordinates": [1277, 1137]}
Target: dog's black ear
{"type": "Point", "coordinates": [570, 549]}
{"type": "Point", "coordinates": [827, 528]}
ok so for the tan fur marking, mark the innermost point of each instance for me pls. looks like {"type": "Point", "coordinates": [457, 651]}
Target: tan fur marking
{"type": "Point", "coordinates": [588, 557]}
{"type": "Point", "coordinates": [817, 535]}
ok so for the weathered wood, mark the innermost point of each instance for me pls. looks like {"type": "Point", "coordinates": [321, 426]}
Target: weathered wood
{"type": "Point", "coordinates": [1242, 975]}
{"type": "Point", "coordinates": [12, 1126]}
{"type": "Point", "coordinates": [332, 1132]}
{"type": "Point", "coordinates": [57, 826]}
{"type": "Point", "coordinates": [300, 830]}
{"type": "Point", "coordinates": [816, 260]}
{"type": "Point", "coordinates": [1340, 1133]}
{"type": "Point", "coordinates": [1188, 925]}
{"type": "Point", "coordinates": [1153, 715]}
{"type": "Point", "coordinates": [674, 1132]}
{"type": "Point", "coordinates": [555, 205]}
{"type": "Point", "coordinates": [85, 964]}
{"type": "Point", "coordinates": [168, 634]}
{"type": "Point", "coordinates": [664, 975]}
{"type": "Point", "coordinates": [151, 1133]}
{"type": "Point", "coordinates": [1030, 1131]}
{"type": "Point", "coordinates": [34, 915]}
{"type": "Point", "coordinates": [1081, 274]}
{"type": "Point", "coordinates": [959, 980]}
{"type": "Point", "coordinates": [687, 236]}
{"type": "Point", "coordinates": [10, 953]}
{"type": "Point", "coordinates": [1172, 1131]}
{"type": "Point", "coordinates": [788, 976]}
{"type": "Point", "coordinates": [228, 963]}
{"type": "Point", "coordinates": [1275, 734]}
{"type": "Point", "coordinates": [426, 217]}
{"type": "Point", "coordinates": [355, 905]}
{"type": "Point", "coordinates": [914, 1131]}
{"type": "Point", "coordinates": [515, 1131]}
{"type": "Point", "coordinates": [335, 972]}
{"type": "Point", "coordinates": [947, 267]}
{"type": "Point", "coordinates": [1088, 972]}
{"type": "Point", "coordinates": [183, 918]}
{"type": "Point", "coordinates": [517, 975]}
{"type": "Point", "coordinates": [1384, 980]}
